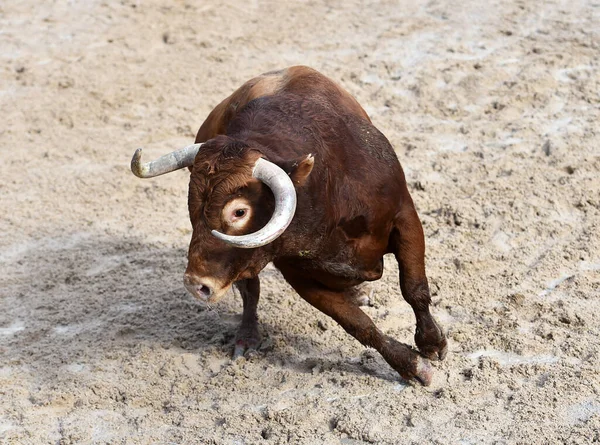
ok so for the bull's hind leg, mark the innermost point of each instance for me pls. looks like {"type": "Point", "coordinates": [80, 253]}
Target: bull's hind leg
{"type": "Point", "coordinates": [248, 337]}
{"type": "Point", "coordinates": [408, 244]}
{"type": "Point", "coordinates": [406, 361]}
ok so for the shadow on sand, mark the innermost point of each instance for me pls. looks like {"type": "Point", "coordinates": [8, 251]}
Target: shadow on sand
{"type": "Point", "coordinates": [89, 297]}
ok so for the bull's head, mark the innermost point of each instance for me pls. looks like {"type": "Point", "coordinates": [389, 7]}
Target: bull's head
{"type": "Point", "coordinates": [238, 201]}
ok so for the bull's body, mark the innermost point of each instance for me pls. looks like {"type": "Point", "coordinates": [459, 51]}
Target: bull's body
{"type": "Point", "coordinates": [346, 210]}
{"type": "Point", "coordinates": [353, 207]}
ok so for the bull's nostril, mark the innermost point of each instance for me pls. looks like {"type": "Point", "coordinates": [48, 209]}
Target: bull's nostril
{"type": "Point", "coordinates": [204, 290]}
{"type": "Point", "coordinates": [199, 287]}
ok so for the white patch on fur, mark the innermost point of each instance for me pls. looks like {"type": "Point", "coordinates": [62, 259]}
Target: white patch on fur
{"type": "Point", "coordinates": [229, 216]}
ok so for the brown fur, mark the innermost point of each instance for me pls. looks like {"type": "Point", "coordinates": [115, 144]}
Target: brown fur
{"type": "Point", "coordinates": [353, 206]}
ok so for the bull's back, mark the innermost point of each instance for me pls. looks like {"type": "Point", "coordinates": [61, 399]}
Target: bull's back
{"type": "Point", "coordinates": [300, 80]}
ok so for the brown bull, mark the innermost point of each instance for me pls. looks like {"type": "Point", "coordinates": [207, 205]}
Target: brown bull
{"type": "Point", "coordinates": [289, 169]}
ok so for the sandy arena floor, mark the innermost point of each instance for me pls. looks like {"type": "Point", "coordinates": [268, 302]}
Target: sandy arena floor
{"type": "Point", "coordinates": [494, 110]}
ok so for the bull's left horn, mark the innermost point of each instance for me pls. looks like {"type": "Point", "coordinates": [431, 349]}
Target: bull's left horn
{"type": "Point", "coordinates": [165, 164]}
{"type": "Point", "coordinates": [285, 206]}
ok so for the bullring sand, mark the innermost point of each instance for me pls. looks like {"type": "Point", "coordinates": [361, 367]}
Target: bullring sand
{"type": "Point", "coordinates": [494, 111]}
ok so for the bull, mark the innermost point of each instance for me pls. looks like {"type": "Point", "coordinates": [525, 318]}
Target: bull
{"type": "Point", "coordinates": [289, 169]}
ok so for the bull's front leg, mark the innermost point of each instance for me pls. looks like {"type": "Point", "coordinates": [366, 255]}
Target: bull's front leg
{"type": "Point", "coordinates": [408, 244]}
{"type": "Point", "coordinates": [406, 361]}
{"type": "Point", "coordinates": [248, 337]}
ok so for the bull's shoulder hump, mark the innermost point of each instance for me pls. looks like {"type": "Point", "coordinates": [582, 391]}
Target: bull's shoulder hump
{"type": "Point", "coordinates": [266, 84]}
{"type": "Point", "coordinates": [307, 82]}
{"type": "Point", "coordinates": [299, 80]}
{"type": "Point", "coordinates": [217, 121]}
{"type": "Point", "coordinates": [295, 79]}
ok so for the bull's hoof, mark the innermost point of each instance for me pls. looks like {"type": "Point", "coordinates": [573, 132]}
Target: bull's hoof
{"type": "Point", "coordinates": [431, 341]}
{"type": "Point", "coordinates": [436, 352]}
{"type": "Point", "coordinates": [424, 372]}
{"type": "Point", "coordinates": [407, 362]}
{"type": "Point", "coordinates": [247, 341]}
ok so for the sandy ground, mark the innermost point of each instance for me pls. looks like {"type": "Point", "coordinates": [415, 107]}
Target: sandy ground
{"type": "Point", "coordinates": [494, 110]}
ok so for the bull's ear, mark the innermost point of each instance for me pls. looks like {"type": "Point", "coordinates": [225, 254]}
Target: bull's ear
{"type": "Point", "coordinates": [299, 169]}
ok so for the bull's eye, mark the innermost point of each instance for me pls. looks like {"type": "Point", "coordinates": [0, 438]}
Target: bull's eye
{"type": "Point", "coordinates": [237, 213]}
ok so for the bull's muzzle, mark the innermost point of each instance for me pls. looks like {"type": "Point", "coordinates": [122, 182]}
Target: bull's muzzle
{"type": "Point", "coordinates": [201, 288]}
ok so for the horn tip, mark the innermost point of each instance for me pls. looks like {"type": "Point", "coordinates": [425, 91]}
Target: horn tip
{"type": "Point", "coordinates": [136, 164]}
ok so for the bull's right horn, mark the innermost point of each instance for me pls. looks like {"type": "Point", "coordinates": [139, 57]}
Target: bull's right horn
{"type": "Point", "coordinates": [166, 163]}
{"type": "Point", "coordinates": [285, 207]}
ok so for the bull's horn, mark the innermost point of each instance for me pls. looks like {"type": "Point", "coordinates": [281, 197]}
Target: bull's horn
{"type": "Point", "coordinates": [165, 164]}
{"type": "Point", "coordinates": [285, 207]}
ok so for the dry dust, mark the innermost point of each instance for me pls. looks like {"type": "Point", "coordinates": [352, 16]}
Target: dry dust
{"type": "Point", "coordinates": [494, 110]}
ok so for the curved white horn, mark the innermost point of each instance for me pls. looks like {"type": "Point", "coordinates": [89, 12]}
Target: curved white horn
{"type": "Point", "coordinates": [165, 164]}
{"type": "Point", "coordinates": [285, 206]}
